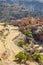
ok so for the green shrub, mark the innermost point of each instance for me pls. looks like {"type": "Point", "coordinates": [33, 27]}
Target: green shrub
{"type": "Point", "coordinates": [21, 43]}
{"type": "Point", "coordinates": [20, 56]}
{"type": "Point", "coordinates": [37, 56]}
{"type": "Point", "coordinates": [5, 24]}
{"type": "Point", "coordinates": [28, 33]}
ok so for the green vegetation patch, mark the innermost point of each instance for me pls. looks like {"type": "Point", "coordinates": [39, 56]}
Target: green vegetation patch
{"type": "Point", "coordinates": [5, 24]}
{"type": "Point", "coordinates": [37, 56]}
{"type": "Point", "coordinates": [21, 43]}
{"type": "Point", "coordinates": [28, 33]}
{"type": "Point", "coordinates": [20, 56]}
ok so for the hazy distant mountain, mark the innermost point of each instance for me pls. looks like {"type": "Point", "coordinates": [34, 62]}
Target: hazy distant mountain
{"type": "Point", "coordinates": [16, 9]}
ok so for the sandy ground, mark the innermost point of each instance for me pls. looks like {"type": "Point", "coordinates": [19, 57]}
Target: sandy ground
{"type": "Point", "coordinates": [8, 45]}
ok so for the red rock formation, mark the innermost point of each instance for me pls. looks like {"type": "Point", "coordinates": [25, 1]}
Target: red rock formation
{"type": "Point", "coordinates": [28, 22]}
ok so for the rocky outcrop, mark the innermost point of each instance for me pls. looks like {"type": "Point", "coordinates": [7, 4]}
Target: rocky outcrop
{"type": "Point", "coordinates": [39, 33]}
{"type": "Point", "coordinates": [40, 36]}
{"type": "Point", "coordinates": [28, 22]}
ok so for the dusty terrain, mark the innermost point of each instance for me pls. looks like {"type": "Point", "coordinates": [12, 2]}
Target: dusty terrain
{"type": "Point", "coordinates": [8, 49]}
{"type": "Point", "coordinates": [9, 37]}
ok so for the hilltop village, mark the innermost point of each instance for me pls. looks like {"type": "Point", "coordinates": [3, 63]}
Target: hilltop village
{"type": "Point", "coordinates": [21, 42]}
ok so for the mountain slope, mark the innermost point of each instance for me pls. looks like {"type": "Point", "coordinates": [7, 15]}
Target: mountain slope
{"type": "Point", "coordinates": [17, 9]}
